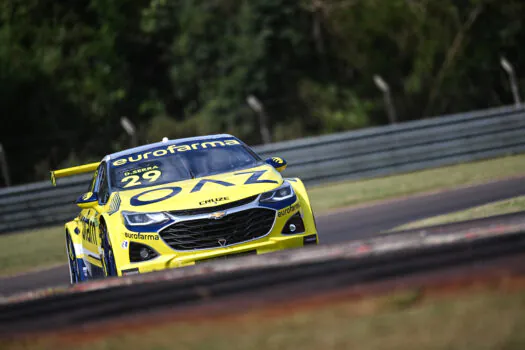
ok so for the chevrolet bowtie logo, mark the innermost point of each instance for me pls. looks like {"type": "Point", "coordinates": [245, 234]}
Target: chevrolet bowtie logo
{"type": "Point", "coordinates": [217, 215]}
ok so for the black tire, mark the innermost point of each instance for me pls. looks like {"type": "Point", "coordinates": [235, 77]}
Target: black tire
{"type": "Point", "coordinates": [74, 270]}
{"type": "Point", "coordinates": [108, 260]}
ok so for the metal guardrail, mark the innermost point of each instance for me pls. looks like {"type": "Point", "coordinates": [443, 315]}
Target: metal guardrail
{"type": "Point", "coordinates": [371, 152]}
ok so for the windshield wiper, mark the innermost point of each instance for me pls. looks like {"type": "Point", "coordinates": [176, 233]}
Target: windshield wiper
{"type": "Point", "coordinates": [188, 168]}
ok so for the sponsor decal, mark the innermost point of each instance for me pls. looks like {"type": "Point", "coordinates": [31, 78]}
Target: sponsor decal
{"type": "Point", "coordinates": [201, 183]}
{"type": "Point", "coordinates": [214, 200]}
{"type": "Point", "coordinates": [254, 178]}
{"type": "Point", "coordinates": [125, 244]}
{"type": "Point", "coordinates": [172, 149]}
{"type": "Point", "coordinates": [89, 230]}
{"type": "Point", "coordinates": [288, 210]}
{"type": "Point", "coordinates": [142, 236]}
{"type": "Point", "coordinates": [135, 200]}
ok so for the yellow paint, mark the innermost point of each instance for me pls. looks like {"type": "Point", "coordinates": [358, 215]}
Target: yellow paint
{"type": "Point", "coordinates": [88, 168]}
{"type": "Point", "coordinates": [188, 194]}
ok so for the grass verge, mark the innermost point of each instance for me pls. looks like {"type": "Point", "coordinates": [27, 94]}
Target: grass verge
{"type": "Point", "coordinates": [477, 320]}
{"type": "Point", "coordinates": [337, 195]}
{"type": "Point", "coordinates": [35, 249]}
{"type": "Point", "coordinates": [508, 206]}
{"type": "Point", "coordinates": [45, 247]}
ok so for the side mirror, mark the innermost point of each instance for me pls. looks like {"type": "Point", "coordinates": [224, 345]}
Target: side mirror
{"type": "Point", "coordinates": [87, 200]}
{"type": "Point", "coordinates": [278, 163]}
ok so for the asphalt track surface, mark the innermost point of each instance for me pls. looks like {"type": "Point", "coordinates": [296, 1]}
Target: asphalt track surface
{"type": "Point", "coordinates": [343, 225]}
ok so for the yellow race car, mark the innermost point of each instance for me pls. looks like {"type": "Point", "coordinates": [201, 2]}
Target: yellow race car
{"type": "Point", "coordinates": [179, 202]}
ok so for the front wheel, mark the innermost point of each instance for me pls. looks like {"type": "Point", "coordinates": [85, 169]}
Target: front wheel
{"type": "Point", "coordinates": [108, 260]}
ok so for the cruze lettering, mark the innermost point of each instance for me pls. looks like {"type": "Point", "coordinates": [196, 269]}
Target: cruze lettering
{"type": "Point", "coordinates": [214, 200]}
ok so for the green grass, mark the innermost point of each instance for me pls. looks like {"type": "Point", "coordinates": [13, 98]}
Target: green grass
{"type": "Point", "coordinates": [46, 247]}
{"type": "Point", "coordinates": [496, 208]}
{"type": "Point", "coordinates": [336, 195]}
{"type": "Point", "coordinates": [31, 250]}
{"type": "Point", "coordinates": [479, 320]}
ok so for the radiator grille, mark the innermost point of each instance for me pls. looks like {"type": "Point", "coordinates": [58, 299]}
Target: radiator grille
{"type": "Point", "coordinates": [214, 233]}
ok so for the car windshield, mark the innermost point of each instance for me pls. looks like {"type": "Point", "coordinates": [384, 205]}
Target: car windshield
{"type": "Point", "coordinates": [179, 162]}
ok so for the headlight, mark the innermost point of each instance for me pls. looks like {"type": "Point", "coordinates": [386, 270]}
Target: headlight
{"type": "Point", "coordinates": [143, 219]}
{"type": "Point", "coordinates": [279, 194]}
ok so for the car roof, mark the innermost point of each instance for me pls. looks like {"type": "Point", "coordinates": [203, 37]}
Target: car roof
{"type": "Point", "coordinates": [162, 143]}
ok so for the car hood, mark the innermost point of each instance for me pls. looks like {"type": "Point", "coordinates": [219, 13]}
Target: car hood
{"type": "Point", "coordinates": [202, 192]}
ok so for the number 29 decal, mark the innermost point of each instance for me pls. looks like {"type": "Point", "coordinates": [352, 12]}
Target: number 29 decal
{"type": "Point", "coordinates": [135, 180]}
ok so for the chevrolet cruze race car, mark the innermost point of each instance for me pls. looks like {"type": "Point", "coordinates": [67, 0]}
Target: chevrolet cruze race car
{"type": "Point", "coordinates": [179, 202]}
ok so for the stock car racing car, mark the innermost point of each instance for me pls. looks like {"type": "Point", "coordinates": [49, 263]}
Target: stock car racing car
{"type": "Point", "coordinates": [178, 202]}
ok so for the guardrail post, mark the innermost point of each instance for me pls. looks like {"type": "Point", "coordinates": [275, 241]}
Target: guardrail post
{"type": "Point", "coordinates": [389, 106]}
{"type": "Point", "coordinates": [507, 67]}
{"type": "Point", "coordinates": [130, 129]}
{"type": "Point", "coordinates": [258, 108]}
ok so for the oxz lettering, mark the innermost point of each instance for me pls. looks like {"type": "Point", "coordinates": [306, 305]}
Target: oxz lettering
{"type": "Point", "coordinates": [254, 178]}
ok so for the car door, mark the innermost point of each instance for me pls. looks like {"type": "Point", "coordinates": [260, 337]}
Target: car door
{"type": "Point", "coordinates": [91, 218]}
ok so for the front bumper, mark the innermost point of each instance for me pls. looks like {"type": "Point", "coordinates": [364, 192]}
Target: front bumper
{"type": "Point", "coordinates": [277, 238]}
{"type": "Point", "coordinates": [268, 245]}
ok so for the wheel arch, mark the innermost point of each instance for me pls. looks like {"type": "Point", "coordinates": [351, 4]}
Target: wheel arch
{"type": "Point", "coordinates": [72, 229]}
{"type": "Point", "coordinates": [304, 200]}
{"type": "Point", "coordinates": [110, 227]}
{"type": "Point", "coordinates": [73, 234]}
{"type": "Point", "coordinates": [113, 227]}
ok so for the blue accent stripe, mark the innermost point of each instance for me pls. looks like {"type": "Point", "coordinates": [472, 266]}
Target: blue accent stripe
{"type": "Point", "coordinates": [81, 265]}
{"type": "Point", "coordinates": [148, 228]}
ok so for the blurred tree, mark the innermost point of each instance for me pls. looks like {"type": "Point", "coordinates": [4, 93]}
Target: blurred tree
{"type": "Point", "coordinates": [70, 70]}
